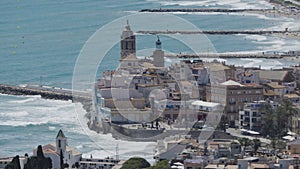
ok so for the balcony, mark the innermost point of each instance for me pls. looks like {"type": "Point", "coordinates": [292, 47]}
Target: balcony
{"type": "Point", "coordinates": [232, 102]}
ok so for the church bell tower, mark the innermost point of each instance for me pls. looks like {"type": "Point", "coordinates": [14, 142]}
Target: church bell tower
{"type": "Point", "coordinates": [127, 42]}
{"type": "Point", "coordinates": [158, 55]}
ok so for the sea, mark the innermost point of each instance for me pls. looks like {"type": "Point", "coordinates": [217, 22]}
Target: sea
{"type": "Point", "coordinates": [40, 41]}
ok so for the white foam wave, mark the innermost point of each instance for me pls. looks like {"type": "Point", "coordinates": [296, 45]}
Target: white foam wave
{"type": "Point", "coordinates": [14, 114]}
{"type": "Point", "coordinates": [186, 3]}
{"type": "Point", "coordinates": [258, 38]}
{"type": "Point", "coordinates": [252, 62]}
{"type": "Point", "coordinates": [231, 3]}
{"type": "Point", "coordinates": [23, 101]}
{"type": "Point", "coordinates": [37, 111]}
{"type": "Point", "coordinates": [257, 15]}
{"type": "Point", "coordinates": [280, 44]}
{"type": "Point", "coordinates": [79, 146]}
{"type": "Point", "coordinates": [52, 128]}
{"type": "Point", "coordinates": [17, 123]}
{"type": "Point", "coordinates": [291, 25]}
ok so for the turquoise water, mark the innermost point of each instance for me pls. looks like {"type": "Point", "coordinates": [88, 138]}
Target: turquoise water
{"type": "Point", "coordinates": [40, 41]}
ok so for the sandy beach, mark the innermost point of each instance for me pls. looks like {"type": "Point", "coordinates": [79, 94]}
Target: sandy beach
{"type": "Point", "coordinates": [283, 11]}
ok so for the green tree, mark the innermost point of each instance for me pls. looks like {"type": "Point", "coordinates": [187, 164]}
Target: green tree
{"type": "Point", "coordinates": [268, 121]}
{"type": "Point", "coordinates": [39, 161]}
{"type": "Point", "coordinates": [278, 144]}
{"type": "Point", "coordinates": [39, 152]}
{"type": "Point", "coordinates": [273, 143]}
{"type": "Point", "coordinates": [287, 108]}
{"type": "Point", "coordinates": [135, 163]}
{"type": "Point", "coordinates": [14, 164]}
{"type": "Point", "coordinates": [245, 142]}
{"type": "Point", "coordinates": [276, 122]}
{"type": "Point", "coordinates": [223, 123]}
{"type": "Point", "coordinates": [164, 164]}
{"type": "Point", "coordinates": [256, 145]}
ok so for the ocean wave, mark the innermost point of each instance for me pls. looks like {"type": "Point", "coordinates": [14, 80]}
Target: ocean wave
{"type": "Point", "coordinates": [14, 114]}
{"type": "Point", "coordinates": [252, 62]}
{"type": "Point", "coordinates": [256, 37]}
{"type": "Point", "coordinates": [186, 3]}
{"type": "Point", "coordinates": [22, 123]}
{"type": "Point", "coordinates": [23, 101]}
{"type": "Point", "coordinates": [52, 128]}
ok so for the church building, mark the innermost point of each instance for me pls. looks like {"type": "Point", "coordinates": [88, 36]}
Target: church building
{"type": "Point", "coordinates": [60, 153]}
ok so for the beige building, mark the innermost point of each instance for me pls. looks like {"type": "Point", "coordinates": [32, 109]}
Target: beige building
{"type": "Point", "coordinates": [279, 77]}
{"type": "Point", "coordinates": [294, 147]}
{"type": "Point", "coordinates": [219, 72]}
{"type": "Point", "coordinates": [233, 95]}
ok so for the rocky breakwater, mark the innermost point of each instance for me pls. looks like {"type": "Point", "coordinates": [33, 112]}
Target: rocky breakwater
{"type": "Point", "coordinates": [18, 90]}
{"type": "Point", "coordinates": [223, 10]}
{"type": "Point", "coordinates": [47, 92]}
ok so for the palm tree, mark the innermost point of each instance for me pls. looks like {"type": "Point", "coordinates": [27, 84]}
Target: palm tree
{"type": "Point", "coordinates": [268, 121]}
{"type": "Point", "coordinates": [276, 122]}
{"type": "Point", "coordinates": [288, 108]}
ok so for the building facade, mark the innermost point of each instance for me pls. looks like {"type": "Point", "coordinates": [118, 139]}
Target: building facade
{"type": "Point", "coordinates": [233, 96]}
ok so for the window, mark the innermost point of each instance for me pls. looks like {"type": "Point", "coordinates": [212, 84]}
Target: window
{"type": "Point", "coordinates": [253, 119]}
{"type": "Point", "coordinates": [231, 108]}
{"type": "Point", "coordinates": [59, 143]}
{"type": "Point", "coordinates": [254, 113]}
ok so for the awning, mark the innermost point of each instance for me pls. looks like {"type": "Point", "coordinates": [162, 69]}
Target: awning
{"type": "Point", "coordinates": [253, 132]}
{"type": "Point", "coordinates": [291, 133]}
{"type": "Point", "coordinates": [290, 138]}
{"type": "Point", "coordinates": [178, 163]}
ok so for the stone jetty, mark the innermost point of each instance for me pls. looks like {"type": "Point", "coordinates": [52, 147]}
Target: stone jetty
{"type": "Point", "coordinates": [46, 92]}
{"type": "Point", "coordinates": [203, 10]}
{"type": "Point", "coordinates": [218, 32]}
{"type": "Point", "coordinates": [230, 55]}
